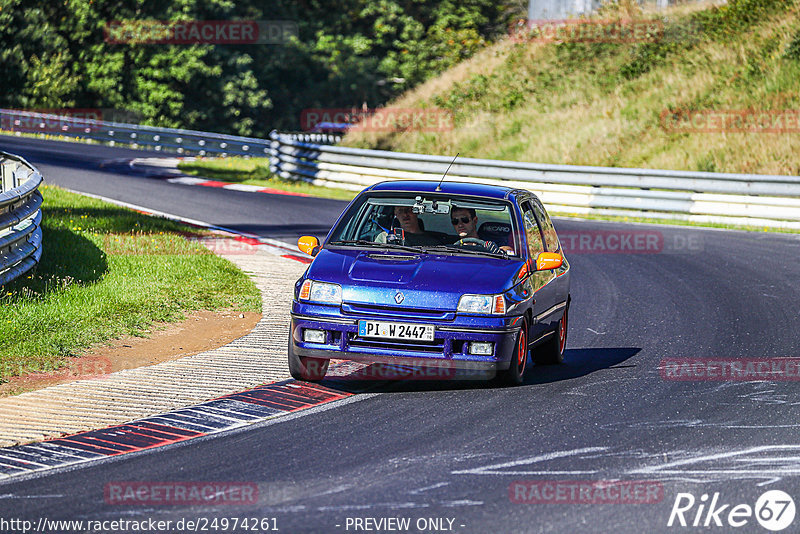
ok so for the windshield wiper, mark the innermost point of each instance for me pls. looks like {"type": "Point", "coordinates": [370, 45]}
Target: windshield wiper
{"type": "Point", "coordinates": [468, 250]}
{"type": "Point", "coordinates": [365, 243]}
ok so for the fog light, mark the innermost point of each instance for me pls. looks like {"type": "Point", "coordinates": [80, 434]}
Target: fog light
{"type": "Point", "coordinates": [314, 336]}
{"type": "Point", "coordinates": [481, 349]}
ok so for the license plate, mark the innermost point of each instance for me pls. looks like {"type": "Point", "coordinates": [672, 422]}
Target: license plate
{"type": "Point", "coordinates": [416, 332]}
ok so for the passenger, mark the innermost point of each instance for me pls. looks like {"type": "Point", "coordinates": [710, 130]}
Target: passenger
{"type": "Point", "coordinates": [465, 223]}
{"type": "Point", "coordinates": [413, 233]}
{"type": "Point", "coordinates": [409, 221]}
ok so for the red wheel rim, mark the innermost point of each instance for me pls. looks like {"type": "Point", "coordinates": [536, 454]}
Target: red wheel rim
{"type": "Point", "coordinates": [522, 351]}
{"type": "Point", "coordinates": [562, 333]}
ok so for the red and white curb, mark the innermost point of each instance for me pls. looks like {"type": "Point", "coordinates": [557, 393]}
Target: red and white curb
{"type": "Point", "coordinates": [211, 417]}
{"type": "Point", "coordinates": [192, 180]}
{"type": "Point", "coordinates": [166, 168]}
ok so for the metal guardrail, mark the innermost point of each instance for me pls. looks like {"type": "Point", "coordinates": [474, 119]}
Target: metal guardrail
{"type": "Point", "coordinates": [184, 142]}
{"type": "Point", "coordinates": [20, 217]}
{"type": "Point", "coordinates": [744, 199]}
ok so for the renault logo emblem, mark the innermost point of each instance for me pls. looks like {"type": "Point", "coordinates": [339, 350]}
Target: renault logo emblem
{"type": "Point", "coordinates": [399, 298]}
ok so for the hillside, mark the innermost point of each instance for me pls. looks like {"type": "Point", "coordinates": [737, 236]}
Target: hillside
{"type": "Point", "coordinates": [611, 103]}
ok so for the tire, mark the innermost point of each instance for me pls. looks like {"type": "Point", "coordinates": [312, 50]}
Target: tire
{"type": "Point", "coordinates": [306, 368]}
{"type": "Point", "coordinates": [552, 351]}
{"type": "Point", "coordinates": [515, 374]}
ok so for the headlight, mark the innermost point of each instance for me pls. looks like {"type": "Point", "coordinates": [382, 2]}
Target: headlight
{"type": "Point", "coordinates": [321, 292]}
{"type": "Point", "coordinates": [488, 304]}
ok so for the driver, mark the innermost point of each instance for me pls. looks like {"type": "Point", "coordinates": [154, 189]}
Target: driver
{"type": "Point", "coordinates": [465, 223]}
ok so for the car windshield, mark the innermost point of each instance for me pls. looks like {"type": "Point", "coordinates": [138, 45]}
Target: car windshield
{"type": "Point", "coordinates": [427, 222]}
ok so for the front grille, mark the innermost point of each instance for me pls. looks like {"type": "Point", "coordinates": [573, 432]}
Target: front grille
{"type": "Point", "coordinates": [435, 346]}
{"type": "Point", "coordinates": [396, 311]}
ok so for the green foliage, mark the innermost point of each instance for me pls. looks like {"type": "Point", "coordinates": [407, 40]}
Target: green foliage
{"type": "Point", "coordinates": [349, 52]}
{"type": "Point", "coordinates": [574, 101]}
{"type": "Point", "coordinates": [793, 48]}
{"type": "Point", "coordinates": [730, 20]}
{"type": "Point", "coordinates": [721, 23]}
{"type": "Point", "coordinates": [500, 91]}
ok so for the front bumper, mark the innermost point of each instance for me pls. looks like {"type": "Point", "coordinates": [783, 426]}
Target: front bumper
{"type": "Point", "coordinates": [450, 348]}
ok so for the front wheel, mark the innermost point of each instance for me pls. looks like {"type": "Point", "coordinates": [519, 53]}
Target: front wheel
{"type": "Point", "coordinates": [306, 368]}
{"type": "Point", "coordinates": [552, 351]}
{"type": "Point", "coordinates": [515, 373]}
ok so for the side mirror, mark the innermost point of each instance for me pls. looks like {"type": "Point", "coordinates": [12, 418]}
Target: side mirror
{"type": "Point", "coordinates": [546, 261]}
{"type": "Point", "coordinates": [308, 244]}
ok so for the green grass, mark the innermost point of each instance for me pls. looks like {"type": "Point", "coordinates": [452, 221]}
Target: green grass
{"type": "Point", "coordinates": [255, 171]}
{"type": "Point", "coordinates": [105, 272]}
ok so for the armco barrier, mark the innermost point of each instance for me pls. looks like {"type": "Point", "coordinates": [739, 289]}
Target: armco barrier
{"type": "Point", "coordinates": [183, 142]}
{"type": "Point", "coordinates": [748, 199]}
{"type": "Point", "coordinates": [20, 217]}
{"type": "Point", "coordinates": [704, 197]}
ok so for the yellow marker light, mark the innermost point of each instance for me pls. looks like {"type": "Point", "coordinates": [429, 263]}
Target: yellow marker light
{"type": "Point", "coordinates": [499, 305]}
{"type": "Point", "coordinates": [305, 291]}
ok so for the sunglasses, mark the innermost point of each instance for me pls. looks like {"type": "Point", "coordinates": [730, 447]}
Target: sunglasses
{"type": "Point", "coordinates": [455, 220]}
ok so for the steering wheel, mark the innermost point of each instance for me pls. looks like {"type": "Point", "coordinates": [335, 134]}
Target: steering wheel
{"type": "Point", "coordinates": [474, 242]}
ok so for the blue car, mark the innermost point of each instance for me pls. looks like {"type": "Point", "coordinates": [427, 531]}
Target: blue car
{"type": "Point", "coordinates": [457, 276]}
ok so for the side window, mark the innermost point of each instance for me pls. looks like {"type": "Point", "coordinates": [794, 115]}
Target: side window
{"type": "Point", "coordinates": [549, 231]}
{"type": "Point", "coordinates": [532, 231]}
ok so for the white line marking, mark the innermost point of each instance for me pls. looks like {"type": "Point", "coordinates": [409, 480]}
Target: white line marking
{"type": "Point", "coordinates": [14, 496]}
{"type": "Point", "coordinates": [492, 469]}
{"type": "Point", "coordinates": [721, 455]}
{"type": "Point", "coordinates": [426, 488]}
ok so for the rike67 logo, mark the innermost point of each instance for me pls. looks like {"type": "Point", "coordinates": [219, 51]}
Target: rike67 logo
{"type": "Point", "coordinates": [774, 510]}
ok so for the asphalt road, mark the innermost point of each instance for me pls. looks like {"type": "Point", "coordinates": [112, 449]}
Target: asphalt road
{"type": "Point", "coordinates": [452, 451]}
{"type": "Point", "coordinates": [93, 169]}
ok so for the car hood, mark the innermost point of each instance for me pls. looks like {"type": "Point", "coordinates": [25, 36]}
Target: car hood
{"type": "Point", "coordinates": [426, 281]}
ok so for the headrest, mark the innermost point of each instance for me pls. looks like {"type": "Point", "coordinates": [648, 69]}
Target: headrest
{"type": "Point", "coordinates": [495, 229]}
{"type": "Point", "coordinates": [498, 232]}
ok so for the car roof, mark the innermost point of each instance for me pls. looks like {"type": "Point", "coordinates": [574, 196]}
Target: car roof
{"type": "Point", "coordinates": [453, 188]}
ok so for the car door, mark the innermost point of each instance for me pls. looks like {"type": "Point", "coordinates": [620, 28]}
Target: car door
{"type": "Point", "coordinates": [553, 293]}
{"type": "Point", "coordinates": [538, 280]}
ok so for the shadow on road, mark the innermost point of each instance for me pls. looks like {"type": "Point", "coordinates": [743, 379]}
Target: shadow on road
{"type": "Point", "coordinates": [581, 362]}
{"type": "Point", "coordinates": [577, 363]}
